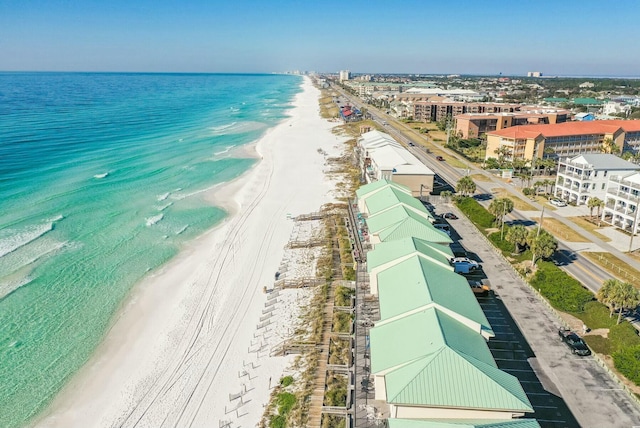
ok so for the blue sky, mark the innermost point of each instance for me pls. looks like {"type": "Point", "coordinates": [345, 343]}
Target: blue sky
{"type": "Point", "coordinates": [589, 37]}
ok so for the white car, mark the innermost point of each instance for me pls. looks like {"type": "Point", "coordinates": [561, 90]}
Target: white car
{"type": "Point", "coordinates": [464, 265]}
{"type": "Point", "coordinates": [558, 202]}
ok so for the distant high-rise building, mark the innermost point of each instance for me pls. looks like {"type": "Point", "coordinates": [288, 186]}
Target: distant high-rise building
{"type": "Point", "coordinates": [345, 75]}
{"type": "Point", "coordinates": [534, 74]}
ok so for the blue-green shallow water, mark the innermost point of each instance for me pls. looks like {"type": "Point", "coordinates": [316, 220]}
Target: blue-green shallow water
{"type": "Point", "coordinates": [101, 180]}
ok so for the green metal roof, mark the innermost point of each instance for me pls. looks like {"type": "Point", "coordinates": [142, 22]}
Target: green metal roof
{"type": "Point", "coordinates": [416, 282]}
{"type": "Point", "coordinates": [556, 100]}
{"type": "Point", "coordinates": [416, 228]}
{"type": "Point", "coordinates": [450, 378]}
{"type": "Point", "coordinates": [376, 185]}
{"type": "Point", "coordinates": [586, 101]}
{"type": "Point", "coordinates": [418, 335]}
{"type": "Point", "coordinates": [389, 197]}
{"type": "Point", "coordinates": [386, 252]}
{"type": "Point", "coordinates": [380, 221]}
{"type": "Point", "coordinates": [463, 423]}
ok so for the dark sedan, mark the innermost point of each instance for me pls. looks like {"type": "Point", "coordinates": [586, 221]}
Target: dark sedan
{"type": "Point", "coordinates": [450, 216]}
{"type": "Point", "coordinates": [574, 342]}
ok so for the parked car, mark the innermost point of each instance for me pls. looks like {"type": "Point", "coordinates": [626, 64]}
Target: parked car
{"type": "Point", "coordinates": [464, 265]}
{"type": "Point", "coordinates": [558, 202]}
{"type": "Point", "coordinates": [479, 288]}
{"type": "Point", "coordinates": [440, 158]}
{"type": "Point", "coordinates": [458, 250]}
{"type": "Point", "coordinates": [574, 342]}
{"type": "Point", "coordinates": [450, 216]}
{"type": "Point", "coordinates": [443, 227]}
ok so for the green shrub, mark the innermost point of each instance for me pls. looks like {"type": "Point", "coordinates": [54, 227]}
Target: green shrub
{"type": "Point", "coordinates": [343, 295]}
{"type": "Point", "coordinates": [596, 315]}
{"type": "Point", "coordinates": [563, 291]}
{"type": "Point", "coordinates": [476, 212]}
{"type": "Point", "coordinates": [623, 335]}
{"type": "Point", "coordinates": [286, 381]}
{"type": "Point", "coordinates": [599, 344]}
{"type": "Point", "coordinates": [278, 421]}
{"type": "Point", "coordinates": [285, 401]}
{"type": "Point", "coordinates": [627, 362]}
{"type": "Point", "coordinates": [341, 322]}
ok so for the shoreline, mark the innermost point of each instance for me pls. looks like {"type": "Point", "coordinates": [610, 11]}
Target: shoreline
{"type": "Point", "coordinates": [176, 347]}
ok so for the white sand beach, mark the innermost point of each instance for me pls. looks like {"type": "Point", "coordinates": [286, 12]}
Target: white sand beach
{"type": "Point", "coordinates": [188, 337]}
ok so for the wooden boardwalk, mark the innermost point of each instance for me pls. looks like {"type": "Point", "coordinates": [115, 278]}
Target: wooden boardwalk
{"type": "Point", "coordinates": [317, 397]}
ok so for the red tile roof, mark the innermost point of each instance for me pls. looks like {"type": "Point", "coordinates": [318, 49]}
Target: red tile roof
{"type": "Point", "coordinates": [568, 128]}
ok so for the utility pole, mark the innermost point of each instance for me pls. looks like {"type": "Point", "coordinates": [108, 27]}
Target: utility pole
{"type": "Point", "coordinates": [634, 226]}
{"type": "Point", "coordinates": [533, 260]}
{"type": "Point", "coordinates": [504, 209]}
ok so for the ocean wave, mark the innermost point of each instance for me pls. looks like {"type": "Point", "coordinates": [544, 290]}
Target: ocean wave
{"type": "Point", "coordinates": [20, 260]}
{"type": "Point", "coordinates": [99, 176]}
{"type": "Point", "coordinates": [179, 232]}
{"type": "Point", "coordinates": [154, 219]}
{"type": "Point", "coordinates": [223, 127]}
{"type": "Point", "coordinates": [226, 150]}
{"type": "Point", "coordinates": [164, 207]}
{"type": "Point", "coordinates": [181, 196]}
{"type": "Point", "coordinates": [163, 196]}
{"type": "Point", "coordinates": [9, 287]}
{"type": "Point", "coordinates": [11, 239]}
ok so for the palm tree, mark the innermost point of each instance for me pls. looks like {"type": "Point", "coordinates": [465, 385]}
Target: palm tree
{"type": "Point", "coordinates": [592, 203]}
{"type": "Point", "coordinates": [517, 235]}
{"type": "Point", "coordinates": [549, 182]}
{"type": "Point", "coordinates": [618, 295]}
{"type": "Point", "coordinates": [466, 186]}
{"type": "Point", "coordinates": [537, 185]}
{"type": "Point", "coordinates": [500, 208]}
{"type": "Point", "coordinates": [628, 297]}
{"type": "Point", "coordinates": [446, 194]}
{"type": "Point", "coordinates": [502, 152]}
{"type": "Point", "coordinates": [609, 146]}
{"type": "Point", "coordinates": [606, 295]}
{"type": "Point", "coordinates": [542, 244]}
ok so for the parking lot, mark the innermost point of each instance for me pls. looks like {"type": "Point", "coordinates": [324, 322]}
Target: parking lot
{"type": "Point", "coordinates": [565, 389]}
{"type": "Point", "coordinates": [512, 354]}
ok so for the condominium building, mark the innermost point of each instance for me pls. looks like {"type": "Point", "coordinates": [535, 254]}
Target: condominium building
{"type": "Point", "coordinates": [435, 110]}
{"type": "Point", "coordinates": [585, 176]}
{"type": "Point", "coordinates": [345, 75]}
{"type": "Point", "coordinates": [564, 139]}
{"type": "Point", "coordinates": [472, 125]}
{"type": "Point", "coordinates": [621, 202]}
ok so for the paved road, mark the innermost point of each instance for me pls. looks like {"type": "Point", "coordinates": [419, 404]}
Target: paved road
{"type": "Point", "coordinates": [593, 397]}
{"type": "Point", "coordinates": [581, 268]}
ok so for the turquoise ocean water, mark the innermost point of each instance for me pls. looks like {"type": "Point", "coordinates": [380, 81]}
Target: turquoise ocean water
{"type": "Point", "coordinates": [101, 181]}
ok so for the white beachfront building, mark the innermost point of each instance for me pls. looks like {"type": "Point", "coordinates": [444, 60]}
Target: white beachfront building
{"type": "Point", "coordinates": [584, 176]}
{"type": "Point", "coordinates": [382, 157]}
{"type": "Point", "coordinates": [621, 202]}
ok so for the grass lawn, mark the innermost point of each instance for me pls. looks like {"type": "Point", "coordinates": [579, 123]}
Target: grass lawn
{"type": "Point", "coordinates": [560, 231]}
{"type": "Point", "coordinates": [480, 177]}
{"type": "Point", "coordinates": [587, 225]}
{"type": "Point", "coordinates": [518, 203]}
{"type": "Point", "coordinates": [615, 266]}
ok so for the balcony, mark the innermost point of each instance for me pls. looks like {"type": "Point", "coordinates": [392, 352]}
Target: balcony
{"type": "Point", "coordinates": [624, 195]}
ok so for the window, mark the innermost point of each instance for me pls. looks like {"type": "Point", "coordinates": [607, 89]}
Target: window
{"type": "Point", "coordinates": [595, 173]}
{"type": "Point", "coordinates": [593, 187]}
{"type": "Point", "coordinates": [603, 184]}
{"type": "Point", "coordinates": [605, 173]}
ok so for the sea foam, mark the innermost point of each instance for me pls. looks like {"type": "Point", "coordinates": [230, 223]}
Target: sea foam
{"type": "Point", "coordinates": [154, 219]}
{"type": "Point", "coordinates": [11, 240]}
